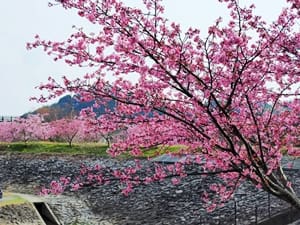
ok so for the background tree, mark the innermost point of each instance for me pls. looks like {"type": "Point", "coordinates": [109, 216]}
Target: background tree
{"type": "Point", "coordinates": [21, 129]}
{"type": "Point", "coordinates": [65, 130]}
{"type": "Point", "coordinates": [28, 128]}
{"type": "Point", "coordinates": [43, 131]}
{"type": "Point", "coordinates": [8, 131]}
{"type": "Point", "coordinates": [99, 128]}
{"type": "Point", "coordinates": [232, 97]}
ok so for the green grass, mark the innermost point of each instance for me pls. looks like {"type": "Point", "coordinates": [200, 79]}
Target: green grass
{"type": "Point", "coordinates": [55, 148]}
{"type": "Point", "coordinates": [155, 151]}
{"type": "Point", "coordinates": [10, 199]}
{"type": "Point", "coordinates": [96, 149]}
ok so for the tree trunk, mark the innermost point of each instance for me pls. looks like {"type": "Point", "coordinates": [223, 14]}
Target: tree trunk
{"type": "Point", "coordinates": [291, 198]}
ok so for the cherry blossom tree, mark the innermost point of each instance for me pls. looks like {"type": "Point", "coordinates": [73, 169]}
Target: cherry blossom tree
{"type": "Point", "coordinates": [44, 131]}
{"type": "Point", "coordinates": [21, 129]}
{"type": "Point", "coordinates": [8, 131]}
{"type": "Point", "coordinates": [97, 128]}
{"type": "Point", "coordinates": [28, 128]}
{"type": "Point", "coordinates": [65, 130]}
{"type": "Point", "coordinates": [231, 98]}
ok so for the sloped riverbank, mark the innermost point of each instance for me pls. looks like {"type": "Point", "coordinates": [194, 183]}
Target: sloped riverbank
{"type": "Point", "coordinates": [19, 214]}
{"type": "Point", "coordinates": [158, 203]}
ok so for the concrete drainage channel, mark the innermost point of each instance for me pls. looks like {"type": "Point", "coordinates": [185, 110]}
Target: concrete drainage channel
{"type": "Point", "coordinates": [285, 217]}
{"type": "Point", "coordinates": [45, 213]}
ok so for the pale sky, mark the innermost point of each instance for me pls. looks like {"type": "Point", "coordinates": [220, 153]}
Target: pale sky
{"type": "Point", "coordinates": [22, 70]}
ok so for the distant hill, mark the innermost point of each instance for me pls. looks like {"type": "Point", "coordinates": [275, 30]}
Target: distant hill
{"type": "Point", "coordinates": [68, 107]}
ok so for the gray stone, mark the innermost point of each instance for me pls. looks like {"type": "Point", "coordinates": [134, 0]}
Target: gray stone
{"type": "Point", "coordinates": [153, 204]}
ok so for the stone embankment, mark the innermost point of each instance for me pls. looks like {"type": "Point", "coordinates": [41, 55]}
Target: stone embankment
{"type": "Point", "coordinates": [158, 203]}
{"type": "Point", "coordinates": [19, 214]}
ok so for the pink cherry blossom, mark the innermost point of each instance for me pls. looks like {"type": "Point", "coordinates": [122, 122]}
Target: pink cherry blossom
{"type": "Point", "coordinates": [232, 97]}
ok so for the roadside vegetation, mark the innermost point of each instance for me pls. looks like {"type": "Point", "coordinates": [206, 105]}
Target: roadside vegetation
{"type": "Point", "coordinates": [11, 198]}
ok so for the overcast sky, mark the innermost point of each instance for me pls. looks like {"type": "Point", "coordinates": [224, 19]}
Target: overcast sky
{"type": "Point", "coordinates": [22, 70]}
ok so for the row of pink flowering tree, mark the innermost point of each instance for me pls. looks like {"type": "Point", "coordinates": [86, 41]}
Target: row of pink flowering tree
{"type": "Point", "coordinates": [33, 128]}
{"type": "Point", "coordinates": [22, 129]}
{"type": "Point", "coordinates": [231, 97]}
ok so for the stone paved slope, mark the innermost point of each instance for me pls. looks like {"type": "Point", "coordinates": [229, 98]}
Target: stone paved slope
{"type": "Point", "coordinates": [160, 203]}
{"type": "Point", "coordinates": [21, 214]}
